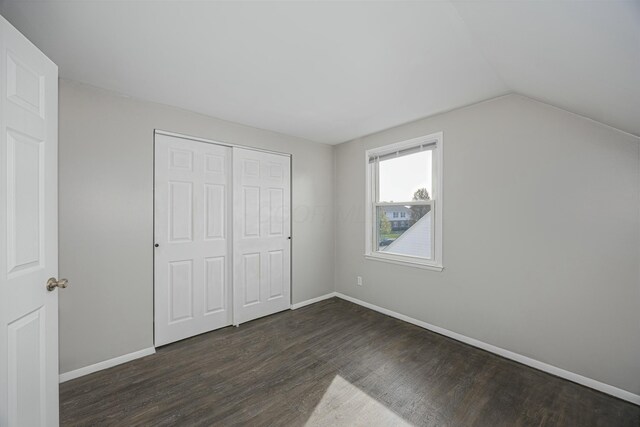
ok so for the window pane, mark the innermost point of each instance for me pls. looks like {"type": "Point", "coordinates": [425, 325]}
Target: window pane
{"type": "Point", "coordinates": [412, 235]}
{"type": "Point", "coordinates": [402, 177]}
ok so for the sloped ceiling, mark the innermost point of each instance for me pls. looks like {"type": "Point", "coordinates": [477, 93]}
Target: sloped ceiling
{"type": "Point", "coordinates": [334, 71]}
{"type": "Point", "coordinates": [583, 56]}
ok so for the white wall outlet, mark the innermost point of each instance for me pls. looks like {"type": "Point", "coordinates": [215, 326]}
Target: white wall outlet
{"type": "Point", "coordinates": [359, 278]}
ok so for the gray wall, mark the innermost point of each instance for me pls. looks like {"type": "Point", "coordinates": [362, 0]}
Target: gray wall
{"type": "Point", "coordinates": [106, 216]}
{"type": "Point", "coordinates": [541, 237]}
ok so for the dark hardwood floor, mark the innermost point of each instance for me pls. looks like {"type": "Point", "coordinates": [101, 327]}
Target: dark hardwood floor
{"type": "Point", "coordinates": [332, 363]}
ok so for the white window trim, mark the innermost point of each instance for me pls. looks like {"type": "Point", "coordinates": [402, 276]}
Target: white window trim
{"type": "Point", "coordinates": [438, 157]}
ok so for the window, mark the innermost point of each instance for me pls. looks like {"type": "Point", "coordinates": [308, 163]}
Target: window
{"type": "Point", "coordinates": [405, 180]}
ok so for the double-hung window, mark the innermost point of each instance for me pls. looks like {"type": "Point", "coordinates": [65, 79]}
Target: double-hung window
{"type": "Point", "coordinates": [405, 179]}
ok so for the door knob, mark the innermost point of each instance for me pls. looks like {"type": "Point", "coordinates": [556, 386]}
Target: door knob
{"type": "Point", "coordinates": [53, 283]}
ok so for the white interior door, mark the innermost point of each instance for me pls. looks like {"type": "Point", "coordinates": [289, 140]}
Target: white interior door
{"type": "Point", "coordinates": [261, 234]}
{"type": "Point", "coordinates": [28, 233]}
{"type": "Point", "coordinates": [192, 255]}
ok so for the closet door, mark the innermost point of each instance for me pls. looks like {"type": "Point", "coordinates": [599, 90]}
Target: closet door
{"type": "Point", "coordinates": [261, 230]}
{"type": "Point", "coordinates": [192, 280]}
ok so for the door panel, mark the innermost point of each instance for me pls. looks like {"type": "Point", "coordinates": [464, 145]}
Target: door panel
{"type": "Point", "coordinates": [25, 189]}
{"type": "Point", "coordinates": [276, 274]}
{"type": "Point", "coordinates": [26, 361]}
{"type": "Point", "coordinates": [180, 290]}
{"type": "Point", "coordinates": [181, 212]}
{"type": "Point", "coordinates": [28, 233]}
{"type": "Point", "coordinates": [192, 262]}
{"type": "Point", "coordinates": [250, 278]}
{"type": "Point", "coordinates": [215, 290]}
{"type": "Point", "coordinates": [261, 243]}
{"type": "Point", "coordinates": [215, 208]}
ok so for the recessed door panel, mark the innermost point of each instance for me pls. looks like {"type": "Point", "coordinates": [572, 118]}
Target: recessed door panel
{"type": "Point", "coordinates": [215, 284]}
{"type": "Point", "coordinates": [180, 211]}
{"type": "Point", "coordinates": [24, 197]}
{"type": "Point", "coordinates": [250, 280]}
{"type": "Point", "coordinates": [251, 168]}
{"type": "Point", "coordinates": [214, 163]}
{"type": "Point", "coordinates": [180, 290]}
{"type": "Point", "coordinates": [276, 274]}
{"type": "Point", "coordinates": [180, 159]}
{"type": "Point", "coordinates": [215, 211]}
{"type": "Point", "coordinates": [276, 211]}
{"type": "Point", "coordinates": [275, 171]}
{"type": "Point", "coordinates": [251, 211]}
{"type": "Point", "coordinates": [25, 87]}
{"type": "Point", "coordinates": [27, 369]}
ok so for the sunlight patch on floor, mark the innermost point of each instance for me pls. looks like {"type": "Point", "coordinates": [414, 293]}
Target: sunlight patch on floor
{"type": "Point", "coordinates": [344, 404]}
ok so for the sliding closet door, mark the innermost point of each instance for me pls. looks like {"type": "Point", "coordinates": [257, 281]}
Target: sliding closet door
{"type": "Point", "coordinates": [192, 248]}
{"type": "Point", "coordinates": [261, 234]}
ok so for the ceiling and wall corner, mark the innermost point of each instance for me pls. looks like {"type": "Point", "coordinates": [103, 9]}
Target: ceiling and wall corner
{"type": "Point", "coordinates": [334, 71]}
{"type": "Point", "coordinates": [583, 57]}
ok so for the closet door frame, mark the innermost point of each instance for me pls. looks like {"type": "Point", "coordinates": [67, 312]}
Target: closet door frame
{"type": "Point", "coordinates": [230, 211]}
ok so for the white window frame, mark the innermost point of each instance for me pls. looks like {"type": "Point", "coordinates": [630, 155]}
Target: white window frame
{"type": "Point", "coordinates": [436, 203]}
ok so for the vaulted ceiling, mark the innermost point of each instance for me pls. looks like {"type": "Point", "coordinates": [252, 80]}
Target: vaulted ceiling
{"type": "Point", "coordinates": [333, 71]}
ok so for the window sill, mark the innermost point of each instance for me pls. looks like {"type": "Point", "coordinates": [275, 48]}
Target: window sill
{"type": "Point", "coordinates": [415, 264]}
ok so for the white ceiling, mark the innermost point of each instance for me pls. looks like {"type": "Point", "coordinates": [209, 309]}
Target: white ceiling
{"type": "Point", "coordinates": [333, 71]}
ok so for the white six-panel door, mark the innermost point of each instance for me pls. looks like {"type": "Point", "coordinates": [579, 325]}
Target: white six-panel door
{"type": "Point", "coordinates": [192, 258]}
{"type": "Point", "coordinates": [28, 233]}
{"type": "Point", "coordinates": [261, 234]}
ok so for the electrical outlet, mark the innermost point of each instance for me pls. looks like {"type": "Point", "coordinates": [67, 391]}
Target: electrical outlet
{"type": "Point", "coordinates": [359, 280]}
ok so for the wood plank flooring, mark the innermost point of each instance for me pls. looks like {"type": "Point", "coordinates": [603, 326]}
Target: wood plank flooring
{"type": "Point", "coordinates": [329, 364]}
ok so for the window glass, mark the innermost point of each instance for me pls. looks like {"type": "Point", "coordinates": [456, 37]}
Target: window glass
{"type": "Point", "coordinates": [400, 178]}
{"type": "Point", "coordinates": [412, 237]}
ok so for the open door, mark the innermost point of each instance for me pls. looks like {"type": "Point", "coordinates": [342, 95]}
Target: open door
{"type": "Point", "coordinates": [28, 233]}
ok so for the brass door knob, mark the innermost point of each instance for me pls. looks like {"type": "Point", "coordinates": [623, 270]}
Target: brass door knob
{"type": "Point", "coordinates": [53, 283]}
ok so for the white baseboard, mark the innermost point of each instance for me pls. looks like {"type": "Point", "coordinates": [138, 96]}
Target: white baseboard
{"type": "Point", "coordinates": [312, 300]}
{"type": "Point", "coordinates": [106, 364]}
{"type": "Point", "coordinates": [588, 382]}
